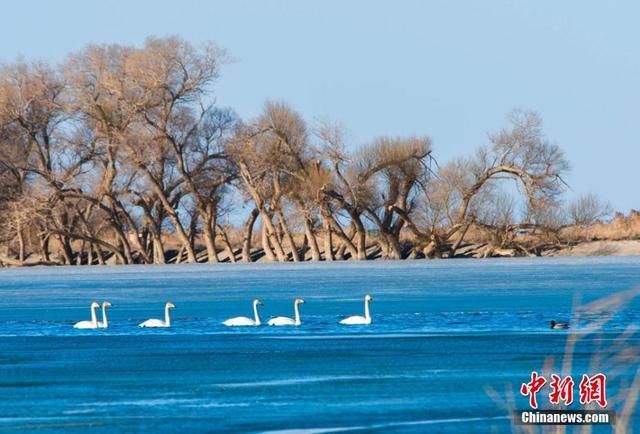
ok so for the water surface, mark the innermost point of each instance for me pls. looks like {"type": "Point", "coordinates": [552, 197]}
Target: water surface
{"type": "Point", "coordinates": [443, 332]}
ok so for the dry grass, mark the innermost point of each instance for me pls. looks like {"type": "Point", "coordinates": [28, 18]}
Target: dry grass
{"type": "Point", "coordinates": [620, 228]}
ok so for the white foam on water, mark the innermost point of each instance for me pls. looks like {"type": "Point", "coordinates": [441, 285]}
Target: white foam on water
{"type": "Point", "coordinates": [142, 402]}
{"type": "Point", "coordinates": [217, 405]}
{"type": "Point", "coordinates": [73, 412]}
{"type": "Point", "coordinates": [304, 380]}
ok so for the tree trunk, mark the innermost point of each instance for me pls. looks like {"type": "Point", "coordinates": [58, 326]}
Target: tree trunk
{"type": "Point", "coordinates": [456, 245]}
{"type": "Point", "coordinates": [208, 230]}
{"type": "Point", "coordinates": [184, 239]}
{"type": "Point", "coordinates": [266, 246]}
{"type": "Point", "coordinates": [394, 249]}
{"type": "Point", "coordinates": [158, 250]}
{"type": "Point", "coordinates": [44, 248]}
{"type": "Point", "coordinates": [431, 250]}
{"type": "Point", "coordinates": [328, 241]}
{"type": "Point", "coordinates": [80, 253]}
{"type": "Point", "coordinates": [340, 252]}
{"type": "Point", "coordinates": [361, 238]}
{"type": "Point", "coordinates": [175, 219]}
{"type": "Point", "coordinates": [339, 232]}
{"type": "Point", "coordinates": [193, 232]}
{"type": "Point", "coordinates": [287, 234]}
{"type": "Point", "coordinates": [126, 248]}
{"type": "Point", "coordinates": [312, 240]}
{"type": "Point", "coordinates": [248, 235]}
{"type": "Point", "coordinates": [65, 248]}
{"type": "Point", "coordinates": [179, 256]}
{"type": "Point", "coordinates": [272, 236]}
{"type": "Point", "coordinates": [228, 248]}
{"type": "Point", "coordinates": [21, 246]}
{"type": "Point", "coordinates": [100, 255]}
{"type": "Point", "coordinates": [266, 218]}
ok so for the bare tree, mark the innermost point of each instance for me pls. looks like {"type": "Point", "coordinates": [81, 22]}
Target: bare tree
{"type": "Point", "coordinates": [122, 151]}
{"type": "Point", "coordinates": [519, 154]}
{"type": "Point", "coordinates": [588, 209]}
{"type": "Point", "coordinates": [275, 159]}
{"type": "Point", "coordinates": [402, 172]}
{"type": "Point", "coordinates": [33, 109]}
{"type": "Point", "coordinates": [101, 95]}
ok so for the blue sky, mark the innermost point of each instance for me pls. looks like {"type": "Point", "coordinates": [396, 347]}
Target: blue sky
{"type": "Point", "coordinates": [448, 69]}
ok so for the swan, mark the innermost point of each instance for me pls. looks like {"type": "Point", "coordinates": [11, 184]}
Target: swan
{"type": "Point", "coordinates": [285, 321]}
{"type": "Point", "coordinates": [93, 324]}
{"type": "Point", "coordinates": [245, 321]}
{"type": "Point", "coordinates": [558, 325]}
{"type": "Point", "coordinates": [360, 320]}
{"type": "Point", "coordinates": [159, 322]}
{"type": "Point", "coordinates": [104, 323]}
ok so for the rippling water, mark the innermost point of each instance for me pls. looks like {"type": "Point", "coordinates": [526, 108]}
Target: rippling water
{"type": "Point", "coordinates": [442, 332]}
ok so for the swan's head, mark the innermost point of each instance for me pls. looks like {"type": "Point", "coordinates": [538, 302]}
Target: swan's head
{"type": "Point", "coordinates": [95, 305]}
{"type": "Point", "coordinates": [170, 306]}
{"type": "Point", "coordinates": [106, 304]}
{"type": "Point", "coordinates": [257, 302]}
{"type": "Point", "coordinates": [368, 298]}
{"type": "Point", "coordinates": [299, 301]}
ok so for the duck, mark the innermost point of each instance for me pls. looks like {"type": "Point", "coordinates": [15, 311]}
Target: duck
{"type": "Point", "coordinates": [558, 325]}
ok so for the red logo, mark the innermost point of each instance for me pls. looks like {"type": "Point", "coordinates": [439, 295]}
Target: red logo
{"type": "Point", "coordinates": [561, 390]}
{"type": "Point", "coordinates": [592, 389]}
{"type": "Point", "coordinates": [531, 388]}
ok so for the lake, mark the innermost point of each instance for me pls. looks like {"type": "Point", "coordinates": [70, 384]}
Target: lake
{"type": "Point", "coordinates": [444, 332]}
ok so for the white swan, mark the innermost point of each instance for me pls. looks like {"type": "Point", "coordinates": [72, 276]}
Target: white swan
{"type": "Point", "coordinates": [104, 323]}
{"type": "Point", "coordinates": [93, 324]}
{"type": "Point", "coordinates": [360, 320]}
{"type": "Point", "coordinates": [245, 321]}
{"type": "Point", "coordinates": [285, 321]}
{"type": "Point", "coordinates": [159, 322]}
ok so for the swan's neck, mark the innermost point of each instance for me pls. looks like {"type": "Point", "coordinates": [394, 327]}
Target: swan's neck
{"type": "Point", "coordinates": [366, 310]}
{"type": "Point", "coordinates": [167, 320]}
{"type": "Point", "coordinates": [94, 318]}
{"type": "Point", "coordinates": [297, 311]}
{"type": "Point", "coordinates": [104, 315]}
{"type": "Point", "coordinates": [255, 313]}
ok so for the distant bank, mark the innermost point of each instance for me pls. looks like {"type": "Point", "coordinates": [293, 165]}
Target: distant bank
{"type": "Point", "coordinates": [470, 251]}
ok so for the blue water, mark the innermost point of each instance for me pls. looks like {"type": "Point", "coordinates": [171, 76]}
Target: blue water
{"type": "Point", "coordinates": [443, 332]}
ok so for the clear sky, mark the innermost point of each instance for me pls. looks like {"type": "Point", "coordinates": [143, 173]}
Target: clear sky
{"type": "Point", "coordinates": [448, 69]}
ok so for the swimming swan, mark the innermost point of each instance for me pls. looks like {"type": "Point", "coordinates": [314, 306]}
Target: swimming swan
{"type": "Point", "coordinates": [93, 324]}
{"type": "Point", "coordinates": [285, 321]}
{"type": "Point", "coordinates": [104, 323]}
{"type": "Point", "coordinates": [245, 321]}
{"type": "Point", "coordinates": [360, 320]}
{"type": "Point", "coordinates": [159, 322]}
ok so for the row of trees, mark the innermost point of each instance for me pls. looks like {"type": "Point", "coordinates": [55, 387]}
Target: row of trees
{"type": "Point", "coordinates": [121, 153]}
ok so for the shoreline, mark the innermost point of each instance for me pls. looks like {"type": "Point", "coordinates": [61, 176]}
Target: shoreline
{"type": "Point", "coordinates": [595, 248]}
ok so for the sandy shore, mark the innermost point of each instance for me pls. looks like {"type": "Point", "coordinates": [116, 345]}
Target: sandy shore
{"type": "Point", "coordinates": [601, 248]}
